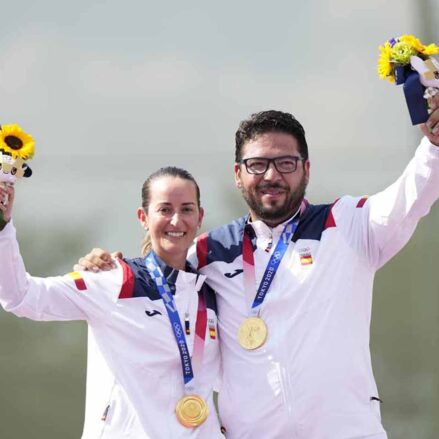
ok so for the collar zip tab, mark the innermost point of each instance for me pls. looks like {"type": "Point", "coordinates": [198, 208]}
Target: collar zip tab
{"type": "Point", "coordinates": [269, 243]}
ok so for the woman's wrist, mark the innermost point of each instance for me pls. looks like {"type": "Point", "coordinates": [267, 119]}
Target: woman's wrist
{"type": "Point", "coordinates": [3, 222]}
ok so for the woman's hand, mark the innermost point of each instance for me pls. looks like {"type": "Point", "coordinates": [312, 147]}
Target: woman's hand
{"type": "Point", "coordinates": [431, 127]}
{"type": "Point", "coordinates": [7, 193]}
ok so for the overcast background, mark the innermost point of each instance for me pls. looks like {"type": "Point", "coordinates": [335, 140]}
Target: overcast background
{"type": "Point", "coordinates": [113, 90]}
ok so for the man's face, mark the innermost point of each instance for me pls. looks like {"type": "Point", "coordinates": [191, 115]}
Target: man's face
{"type": "Point", "coordinates": [272, 197]}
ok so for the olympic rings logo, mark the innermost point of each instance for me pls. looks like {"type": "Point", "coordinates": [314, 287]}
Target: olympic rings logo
{"type": "Point", "coordinates": [177, 329]}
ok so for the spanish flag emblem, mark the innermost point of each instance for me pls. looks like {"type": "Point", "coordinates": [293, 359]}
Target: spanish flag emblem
{"type": "Point", "coordinates": [78, 279]}
{"type": "Point", "coordinates": [306, 260]}
{"type": "Point", "coordinates": [212, 330]}
{"type": "Point", "coordinates": [305, 256]}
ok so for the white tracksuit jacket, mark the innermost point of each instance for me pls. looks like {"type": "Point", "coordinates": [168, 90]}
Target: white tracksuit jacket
{"type": "Point", "coordinates": [134, 371]}
{"type": "Point", "coordinates": [313, 378]}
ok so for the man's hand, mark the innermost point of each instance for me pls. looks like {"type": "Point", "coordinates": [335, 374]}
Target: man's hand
{"type": "Point", "coordinates": [97, 260]}
{"type": "Point", "coordinates": [7, 194]}
{"type": "Point", "coordinates": [431, 127]}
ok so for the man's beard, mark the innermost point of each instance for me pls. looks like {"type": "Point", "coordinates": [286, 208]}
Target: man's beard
{"type": "Point", "coordinates": [276, 214]}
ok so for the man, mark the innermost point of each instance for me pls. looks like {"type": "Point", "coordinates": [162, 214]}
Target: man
{"type": "Point", "coordinates": [294, 286]}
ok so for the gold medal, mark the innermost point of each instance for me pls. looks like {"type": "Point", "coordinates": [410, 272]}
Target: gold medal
{"type": "Point", "coordinates": [191, 411]}
{"type": "Point", "coordinates": [252, 333]}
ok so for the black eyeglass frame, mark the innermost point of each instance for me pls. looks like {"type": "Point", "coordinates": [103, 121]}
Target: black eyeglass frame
{"type": "Point", "coordinates": [267, 161]}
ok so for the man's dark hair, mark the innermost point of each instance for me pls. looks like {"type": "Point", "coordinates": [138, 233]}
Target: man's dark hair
{"type": "Point", "coordinates": [267, 122]}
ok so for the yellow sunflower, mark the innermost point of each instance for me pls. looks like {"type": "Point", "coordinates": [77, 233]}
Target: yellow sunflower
{"type": "Point", "coordinates": [384, 66]}
{"type": "Point", "coordinates": [412, 41]}
{"type": "Point", "coordinates": [431, 49]}
{"type": "Point", "coordinates": [16, 142]}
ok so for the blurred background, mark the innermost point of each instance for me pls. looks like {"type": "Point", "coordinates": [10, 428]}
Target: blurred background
{"type": "Point", "coordinates": [113, 90]}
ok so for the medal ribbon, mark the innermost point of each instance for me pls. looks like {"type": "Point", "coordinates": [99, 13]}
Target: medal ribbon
{"type": "Point", "coordinates": [188, 365]}
{"type": "Point", "coordinates": [272, 266]}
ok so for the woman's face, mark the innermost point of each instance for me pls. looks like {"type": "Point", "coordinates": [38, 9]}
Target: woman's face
{"type": "Point", "coordinates": [172, 219]}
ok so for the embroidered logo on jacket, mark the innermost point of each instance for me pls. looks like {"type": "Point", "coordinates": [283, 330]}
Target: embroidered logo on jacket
{"type": "Point", "coordinates": [305, 256]}
{"type": "Point", "coordinates": [212, 329]}
{"type": "Point", "coordinates": [235, 273]}
{"type": "Point", "coordinates": [153, 313]}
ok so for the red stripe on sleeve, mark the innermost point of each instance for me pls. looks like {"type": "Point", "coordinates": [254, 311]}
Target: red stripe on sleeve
{"type": "Point", "coordinates": [80, 284]}
{"type": "Point", "coordinates": [127, 289]}
{"type": "Point", "coordinates": [363, 200]}
{"type": "Point", "coordinates": [330, 221]}
{"type": "Point", "coordinates": [78, 279]}
{"type": "Point", "coordinates": [202, 250]}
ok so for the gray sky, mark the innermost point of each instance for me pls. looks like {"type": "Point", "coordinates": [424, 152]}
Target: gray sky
{"type": "Point", "coordinates": [112, 90]}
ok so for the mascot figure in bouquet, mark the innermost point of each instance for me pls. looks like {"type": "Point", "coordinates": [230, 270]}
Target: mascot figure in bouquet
{"type": "Point", "coordinates": [16, 147]}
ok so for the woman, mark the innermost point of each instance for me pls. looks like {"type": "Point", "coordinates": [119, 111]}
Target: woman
{"type": "Point", "coordinates": [153, 354]}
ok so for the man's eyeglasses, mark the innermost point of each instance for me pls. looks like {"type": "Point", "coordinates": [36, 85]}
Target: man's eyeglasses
{"type": "Point", "coordinates": [259, 165]}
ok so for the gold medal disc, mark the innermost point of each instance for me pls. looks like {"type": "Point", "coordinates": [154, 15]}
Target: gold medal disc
{"type": "Point", "coordinates": [252, 333]}
{"type": "Point", "coordinates": [191, 411]}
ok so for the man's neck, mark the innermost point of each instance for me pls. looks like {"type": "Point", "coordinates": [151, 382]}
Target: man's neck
{"type": "Point", "coordinates": [274, 222]}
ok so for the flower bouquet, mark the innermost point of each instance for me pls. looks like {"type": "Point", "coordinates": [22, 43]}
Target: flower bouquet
{"type": "Point", "coordinates": [16, 147]}
{"type": "Point", "coordinates": [405, 60]}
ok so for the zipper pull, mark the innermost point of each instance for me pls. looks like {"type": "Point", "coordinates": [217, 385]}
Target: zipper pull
{"type": "Point", "coordinates": [269, 244]}
{"type": "Point", "coordinates": [105, 414]}
{"type": "Point", "coordinates": [187, 324]}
